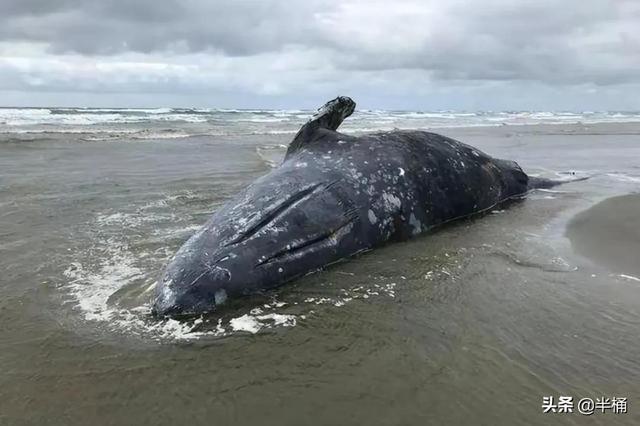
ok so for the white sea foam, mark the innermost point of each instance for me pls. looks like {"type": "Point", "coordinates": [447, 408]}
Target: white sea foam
{"type": "Point", "coordinates": [624, 178]}
{"type": "Point", "coordinates": [236, 122]}
{"type": "Point", "coordinates": [129, 220]}
{"type": "Point", "coordinates": [359, 292]}
{"type": "Point", "coordinates": [253, 323]}
{"type": "Point", "coordinates": [92, 286]}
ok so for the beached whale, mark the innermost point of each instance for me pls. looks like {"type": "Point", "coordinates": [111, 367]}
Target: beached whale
{"type": "Point", "coordinates": [334, 196]}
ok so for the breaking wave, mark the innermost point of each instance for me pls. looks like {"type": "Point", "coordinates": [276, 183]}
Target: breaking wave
{"type": "Point", "coordinates": [159, 123]}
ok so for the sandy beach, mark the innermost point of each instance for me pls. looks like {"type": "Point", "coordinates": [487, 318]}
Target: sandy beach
{"type": "Point", "coordinates": [608, 233]}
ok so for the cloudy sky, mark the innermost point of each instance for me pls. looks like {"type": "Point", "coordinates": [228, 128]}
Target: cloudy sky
{"type": "Point", "coordinates": [401, 54]}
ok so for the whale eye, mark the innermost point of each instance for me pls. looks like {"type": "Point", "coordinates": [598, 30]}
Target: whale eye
{"type": "Point", "coordinates": [218, 273]}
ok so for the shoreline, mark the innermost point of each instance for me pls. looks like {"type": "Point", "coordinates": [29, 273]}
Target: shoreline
{"type": "Point", "coordinates": [608, 234]}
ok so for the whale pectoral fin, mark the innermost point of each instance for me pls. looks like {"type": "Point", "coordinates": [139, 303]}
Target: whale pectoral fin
{"type": "Point", "coordinates": [328, 117]}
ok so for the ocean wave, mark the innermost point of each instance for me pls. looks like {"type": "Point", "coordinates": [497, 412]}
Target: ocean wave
{"type": "Point", "coordinates": [122, 111]}
{"type": "Point", "coordinates": [154, 123]}
{"type": "Point", "coordinates": [109, 134]}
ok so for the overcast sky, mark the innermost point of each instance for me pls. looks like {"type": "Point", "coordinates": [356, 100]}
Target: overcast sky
{"type": "Point", "coordinates": [400, 54]}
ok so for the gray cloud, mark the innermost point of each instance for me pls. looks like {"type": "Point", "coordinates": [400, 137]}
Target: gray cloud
{"type": "Point", "coordinates": [110, 27]}
{"type": "Point", "coordinates": [278, 47]}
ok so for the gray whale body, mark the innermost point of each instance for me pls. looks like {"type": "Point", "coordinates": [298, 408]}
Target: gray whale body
{"type": "Point", "coordinates": [334, 196]}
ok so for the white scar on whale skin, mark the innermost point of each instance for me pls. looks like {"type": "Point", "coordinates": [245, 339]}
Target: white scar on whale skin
{"type": "Point", "coordinates": [391, 201]}
{"type": "Point", "coordinates": [416, 224]}
{"type": "Point", "coordinates": [372, 217]}
{"type": "Point", "coordinates": [220, 296]}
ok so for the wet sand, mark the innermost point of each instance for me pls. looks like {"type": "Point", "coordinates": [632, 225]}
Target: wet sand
{"type": "Point", "coordinates": [609, 234]}
{"type": "Point", "coordinates": [472, 324]}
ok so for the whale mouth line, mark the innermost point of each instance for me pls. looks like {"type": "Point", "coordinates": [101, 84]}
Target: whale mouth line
{"type": "Point", "coordinates": [303, 247]}
{"type": "Point", "coordinates": [195, 280]}
{"type": "Point", "coordinates": [272, 214]}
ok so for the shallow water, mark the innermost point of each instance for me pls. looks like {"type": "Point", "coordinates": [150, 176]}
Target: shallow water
{"type": "Point", "coordinates": [472, 324]}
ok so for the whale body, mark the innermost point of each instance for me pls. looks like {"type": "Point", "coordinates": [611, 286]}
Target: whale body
{"type": "Point", "coordinates": [333, 196]}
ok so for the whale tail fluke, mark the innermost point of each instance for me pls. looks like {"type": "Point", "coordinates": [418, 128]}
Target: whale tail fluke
{"type": "Point", "coordinates": [328, 117]}
{"type": "Point", "coordinates": [544, 183]}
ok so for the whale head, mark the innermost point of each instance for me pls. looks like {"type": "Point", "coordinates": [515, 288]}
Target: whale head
{"type": "Point", "coordinates": [255, 243]}
{"type": "Point", "coordinates": [194, 282]}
